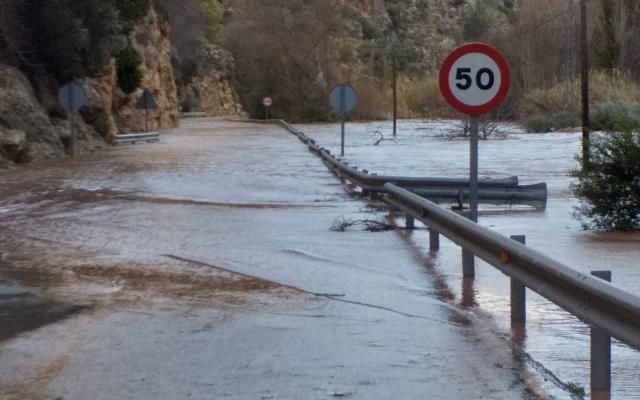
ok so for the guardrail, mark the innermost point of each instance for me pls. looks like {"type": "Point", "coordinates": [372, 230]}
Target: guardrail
{"type": "Point", "coordinates": [609, 311]}
{"type": "Point", "coordinates": [503, 191]}
{"type": "Point", "coordinates": [586, 297]}
{"type": "Point", "coordinates": [195, 114]}
{"type": "Point", "coordinates": [136, 137]}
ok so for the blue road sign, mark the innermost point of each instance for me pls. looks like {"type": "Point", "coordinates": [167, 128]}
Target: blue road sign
{"type": "Point", "coordinates": [72, 97]}
{"type": "Point", "coordinates": [343, 98]}
{"type": "Point", "coordinates": [146, 101]}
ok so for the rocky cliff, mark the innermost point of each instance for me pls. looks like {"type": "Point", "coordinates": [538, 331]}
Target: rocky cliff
{"type": "Point", "coordinates": [209, 89]}
{"type": "Point", "coordinates": [33, 126]}
{"type": "Point", "coordinates": [150, 37]}
{"type": "Point", "coordinates": [28, 129]}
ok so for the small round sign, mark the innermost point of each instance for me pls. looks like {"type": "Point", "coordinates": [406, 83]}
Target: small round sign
{"type": "Point", "coordinates": [267, 101]}
{"type": "Point", "coordinates": [72, 97]}
{"type": "Point", "coordinates": [343, 98]}
{"type": "Point", "coordinates": [474, 78]}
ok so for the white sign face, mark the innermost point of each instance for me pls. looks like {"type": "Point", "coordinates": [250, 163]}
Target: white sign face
{"type": "Point", "coordinates": [267, 102]}
{"type": "Point", "coordinates": [475, 79]}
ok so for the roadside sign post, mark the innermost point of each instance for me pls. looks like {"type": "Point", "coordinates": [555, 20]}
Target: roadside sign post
{"type": "Point", "coordinates": [72, 97]}
{"type": "Point", "coordinates": [343, 99]}
{"type": "Point", "coordinates": [146, 103]}
{"type": "Point", "coordinates": [474, 79]}
{"type": "Point", "coordinates": [267, 102]}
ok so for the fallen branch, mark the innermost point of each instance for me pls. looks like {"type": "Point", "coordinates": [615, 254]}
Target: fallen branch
{"type": "Point", "coordinates": [341, 224]}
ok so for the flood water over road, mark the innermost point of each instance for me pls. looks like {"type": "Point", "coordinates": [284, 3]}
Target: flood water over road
{"type": "Point", "coordinates": [204, 267]}
{"type": "Point", "coordinates": [554, 338]}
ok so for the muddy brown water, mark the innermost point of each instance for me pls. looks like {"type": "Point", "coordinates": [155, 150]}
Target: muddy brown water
{"type": "Point", "coordinates": [91, 236]}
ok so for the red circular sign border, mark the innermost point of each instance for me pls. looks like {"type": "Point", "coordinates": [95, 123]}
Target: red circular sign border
{"type": "Point", "coordinates": [505, 78]}
{"type": "Point", "coordinates": [265, 98]}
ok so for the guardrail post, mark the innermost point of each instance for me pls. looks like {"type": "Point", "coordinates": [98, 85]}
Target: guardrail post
{"type": "Point", "coordinates": [434, 240]}
{"type": "Point", "coordinates": [518, 294]}
{"type": "Point", "coordinates": [600, 355]}
{"type": "Point", "coordinates": [468, 264]}
{"type": "Point", "coordinates": [410, 222]}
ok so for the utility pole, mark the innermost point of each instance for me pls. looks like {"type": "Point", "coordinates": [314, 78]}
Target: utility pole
{"type": "Point", "coordinates": [584, 47]}
{"type": "Point", "coordinates": [395, 96]}
{"type": "Point", "coordinates": [569, 61]}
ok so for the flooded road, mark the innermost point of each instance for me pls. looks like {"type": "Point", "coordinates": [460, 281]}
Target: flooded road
{"type": "Point", "coordinates": [553, 338]}
{"type": "Point", "coordinates": [204, 267]}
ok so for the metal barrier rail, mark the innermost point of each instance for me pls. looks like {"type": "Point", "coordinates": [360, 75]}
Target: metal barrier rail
{"type": "Point", "coordinates": [492, 191]}
{"type": "Point", "coordinates": [136, 137]}
{"type": "Point", "coordinates": [611, 312]}
{"type": "Point", "coordinates": [195, 114]}
{"type": "Point", "coordinates": [591, 300]}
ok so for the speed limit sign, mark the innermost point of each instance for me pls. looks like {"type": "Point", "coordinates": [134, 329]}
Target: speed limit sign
{"type": "Point", "coordinates": [474, 78]}
{"type": "Point", "coordinates": [267, 101]}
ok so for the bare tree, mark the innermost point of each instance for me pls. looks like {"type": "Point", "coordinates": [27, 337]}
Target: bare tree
{"type": "Point", "coordinates": [290, 50]}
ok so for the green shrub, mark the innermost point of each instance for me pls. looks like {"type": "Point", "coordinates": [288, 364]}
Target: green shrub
{"type": "Point", "coordinates": [616, 117]}
{"type": "Point", "coordinates": [102, 124]}
{"type": "Point", "coordinates": [550, 122]}
{"type": "Point", "coordinates": [213, 12]}
{"type": "Point", "coordinates": [104, 26]}
{"type": "Point", "coordinates": [128, 69]}
{"type": "Point", "coordinates": [609, 191]}
{"type": "Point", "coordinates": [477, 22]}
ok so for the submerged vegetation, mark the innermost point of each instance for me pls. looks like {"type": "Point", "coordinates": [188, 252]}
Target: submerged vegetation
{"type": "Point", "coordinates": [609, 189]}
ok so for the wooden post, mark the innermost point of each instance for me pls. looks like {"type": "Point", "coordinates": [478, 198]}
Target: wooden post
{"type": "Point", "coordinates": [584, 48]}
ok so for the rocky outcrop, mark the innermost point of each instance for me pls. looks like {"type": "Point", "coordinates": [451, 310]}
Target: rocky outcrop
{"type": "Point", "coordinates": [21, 110]}
{"type": "Point", "coordinates": [29, 130]}
{"type": "Point", "coordinates": [33, 126]}
{"type": "Point", "coordinates": [209, 89]}
{"type": "Point", "coordinates": [98, 111]}
{"type": "Point", "coordinates": [13, 145]}
{"type": "Point", "coordinates": [212, 95]}
{"type": "Point", "coordinates": [150, 37]}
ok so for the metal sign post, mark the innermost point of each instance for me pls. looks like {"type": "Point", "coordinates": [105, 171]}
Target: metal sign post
{"type": "Point", "coordinates": [267, 102]}
{"type": "Point", "coordinates": [343, 99]}
{"type": "Point", "coordinates": [72, 97]}
{"type": "Point", "coordinates": [343, 117]}
{"type": "Point", "coordinates": [474, 79]}
{"type": "Point", "coordinates": [146, 103]}
{"type": "Point", "coordinates": [473, 168]}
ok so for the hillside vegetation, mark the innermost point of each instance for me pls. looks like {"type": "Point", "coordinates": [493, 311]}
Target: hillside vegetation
{"type": "Point", "coordinates": [223, 56]}
{"type": "Point", "coordinates": [296, 51]}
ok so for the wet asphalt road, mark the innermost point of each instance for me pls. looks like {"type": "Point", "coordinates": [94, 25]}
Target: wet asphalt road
{"type": "Point", "coordinates": [203, 267]}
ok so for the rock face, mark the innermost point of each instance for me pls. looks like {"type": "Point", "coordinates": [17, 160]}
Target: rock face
{"type": "Point", "coordinates": [27, 130]}
{"type": "Point", "coordinates": [22, 111]}
{"type": "Point", "coordinates": [35, 127]}
{"type": "Point", "coordinates": [150, 37]}
{"type": "Point", "coordinates": [210, 89]}
{"type": "Point", "coordinates": [13, 144]}
{"type": "Point", "coordinates": [98, 111]}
